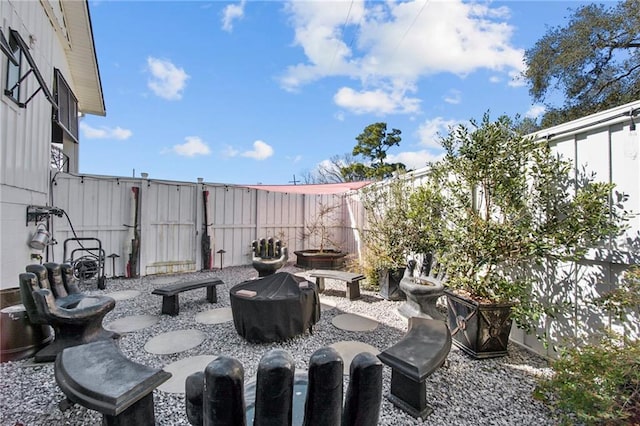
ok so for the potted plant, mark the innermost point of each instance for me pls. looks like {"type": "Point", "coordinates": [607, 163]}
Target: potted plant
{"type": "Point", "coordinates": [507, 205]}
{"type": "Point", "coordinates": [391, 234]}
{"type": "Point", "coordinates": [423, 283]}
{"type": "Point", "coordinates": [318, 231]}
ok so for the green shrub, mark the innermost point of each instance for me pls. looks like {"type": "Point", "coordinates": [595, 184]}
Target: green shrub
{"type": "Point", "coordinates": [599, 383]}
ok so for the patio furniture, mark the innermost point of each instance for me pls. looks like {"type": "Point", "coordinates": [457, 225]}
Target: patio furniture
{"type": "Point", "coordinates": [274, 308]}
{"type": "Point", "coordinates": [422, 350]}
{"type": "Point", "coordinates": [98, 376]}
{"type": "Point", "coordinates": [169, 293]}
{"type": "Point", "coordinates": [422, 292]}
{"type": "Point", "coordinates": [352, 280]}
{"type": "Point", "coordinates": [279, 395]}
{"type": "Point", "coordinates": [50, 296]}
{"type": "Point", "coordinates": [268, 256]}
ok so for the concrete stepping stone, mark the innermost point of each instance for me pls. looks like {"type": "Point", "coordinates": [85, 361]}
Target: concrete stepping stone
{"type": "Point", "coordinates": [353, 322]}
{"type": "Point", "coordinates": [174, 342]}
{"type": "Point", "coordinates": [215, 316]}
{"type": "Point", "coordinates": [348, 349]}
{"type": "Point", "coordinates": [181, 369]}
{"type": "Point", "coordinates": [124, 294]}
{"type": "Point", "coordinates": [131, 323]}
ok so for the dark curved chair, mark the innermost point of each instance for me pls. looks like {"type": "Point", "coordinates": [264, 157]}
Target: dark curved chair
{"type": "Point", "coordinates": [51, 296]}
{"type": "Point", "coordinates": [279, 396]}
{"type": "Point", "coordinates": [268, 256]}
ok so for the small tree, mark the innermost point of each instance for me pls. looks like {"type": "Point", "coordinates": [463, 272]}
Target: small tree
{"type": "Point", "coordinates": [396, 223]}
{"type": "Point", "coordinates": [507, 205]}
{"type": "Point", "coordinates": [319, 228]}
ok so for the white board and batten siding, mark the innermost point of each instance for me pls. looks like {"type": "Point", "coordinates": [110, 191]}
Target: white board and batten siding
{"type": "Point", "coordinates": [25, 133]}
{"type": "Point", "coordinates": [603, 144]}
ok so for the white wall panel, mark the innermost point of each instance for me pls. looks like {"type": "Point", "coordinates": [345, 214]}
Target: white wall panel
{"type": "Point", "coordinates": [168, 228]}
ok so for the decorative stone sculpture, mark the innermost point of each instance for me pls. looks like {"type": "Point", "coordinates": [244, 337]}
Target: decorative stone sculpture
{"type": "Point", "coordinates": [268, 256]}
{"type": "Point", "coordinates": [216, 396]}
{"type": "Point", "coordinates": [51, 296]}
{"type": "Point", "coordinates": [424, 290]}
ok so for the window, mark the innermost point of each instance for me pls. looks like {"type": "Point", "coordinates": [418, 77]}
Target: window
{"type": "Point", "coordinates": [12, 89]}
{"type": "Point", "coordinates": [19, 50]}
{"type": "Point", "coordinates": [66, 116]}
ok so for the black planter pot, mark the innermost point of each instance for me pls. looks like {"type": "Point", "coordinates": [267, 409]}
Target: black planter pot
{"type": "Point", "coordinates": [314, 259]}
{"type": "Point", "coordinates": [389, 281]}
{"type": "Point", "coordinates": [480, 330]}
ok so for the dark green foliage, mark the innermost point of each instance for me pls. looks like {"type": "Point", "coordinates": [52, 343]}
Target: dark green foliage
{"type": "Point", "coordinates": [373, 144]}
{"type": "Point", "coordinates": [594, 61]}
{"type": "Point", "coordinates": [507, 204]}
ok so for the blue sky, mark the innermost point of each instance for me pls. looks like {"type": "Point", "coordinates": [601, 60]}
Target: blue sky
{"type": "Point", "coordinates": [254, 92]}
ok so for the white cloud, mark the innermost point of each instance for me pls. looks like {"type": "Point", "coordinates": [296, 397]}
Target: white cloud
{"type": "Point", "coordinates": [453, 97]}
{"type": "Point", "coordinates": [535, 111]}
{"type": "Point", "coordinates": [105, 132]}
{"type": "Point", "coordinates": [261, 151]}
{"type": "Point", "coordinates": [232, 13]}
{"type": "Point", "coordinates": [375, 101]}
{"type": "Point", "coordinates": [295, 159]}
{"type": "Point", "coordinates": [430, 132]}
{"type": "Point", "coordinates": [166, 80]}
{"type": "Point", "coordinates": [398, 43]}
{"type": "Point", "coordinates": [193, 146]}
{"type": "Point", "coordinates": [414, 159]}
{"type": "Point", "coordinates": [229, 152]}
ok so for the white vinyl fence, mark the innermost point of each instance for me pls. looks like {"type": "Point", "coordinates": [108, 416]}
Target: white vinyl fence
{"type": "Point", "coordinates": [170, 222]}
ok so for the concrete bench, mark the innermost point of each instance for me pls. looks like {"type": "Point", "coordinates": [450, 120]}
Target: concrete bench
{"type": "Point", "coordinates": [422, 350]}
{"type": "Point", "coordinates": [352, 280]}
{"type": "Point", "coordinates": [169, 293]}
{"type": "Point", "coordinates": [99, 377]}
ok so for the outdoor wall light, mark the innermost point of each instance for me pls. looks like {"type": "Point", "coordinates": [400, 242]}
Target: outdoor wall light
{"type": "Point", "coordinates": [41, 238]}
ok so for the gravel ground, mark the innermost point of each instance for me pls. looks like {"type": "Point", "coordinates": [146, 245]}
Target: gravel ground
{"type": "Point", "coordinates": [462, 392]}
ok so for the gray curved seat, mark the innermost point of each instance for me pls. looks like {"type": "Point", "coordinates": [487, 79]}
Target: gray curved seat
{"type": "Point", "coordinates": [50, 296]}
{"type": "Point", "coordinates": [268, 256]}
{"type": "Point", "coordinates": [422, 350]}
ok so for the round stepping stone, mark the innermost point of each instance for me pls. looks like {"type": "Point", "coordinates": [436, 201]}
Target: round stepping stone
{"type": "Point", "coordinates": [181, 369]}
{"type": "Point", "coordinates": [215, 316]}
{"type": "Point", "coordinates": [348, 349]}
{"type": "Point", "coordinates": [353, 322]}
{"type": "Point", "coordinates": [174, 341]}
{"type": "Point", "coordinates": [124, 294]}
{"type": "Point", "coordinates": [132, 323]}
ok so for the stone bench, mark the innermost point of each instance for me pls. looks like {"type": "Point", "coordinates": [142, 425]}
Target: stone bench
{"type": "Point", "coordinates": [169, 293]}
{"type": "Point", "coordinates": [422, 350]}
{"type": "Point", "coordinates": [99, 377]}
{"type": "Point", "coordinates": [352, 280]}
